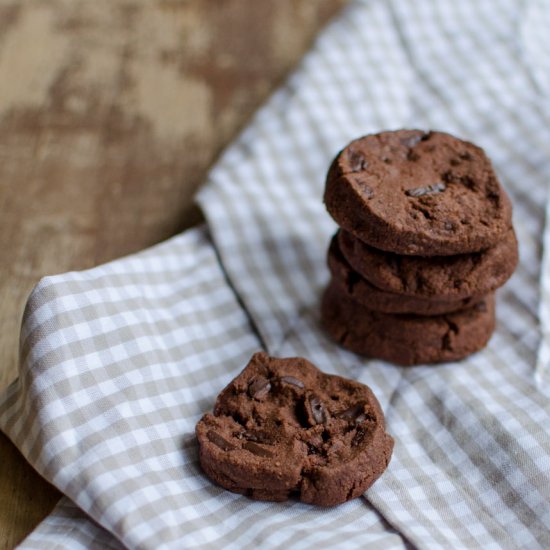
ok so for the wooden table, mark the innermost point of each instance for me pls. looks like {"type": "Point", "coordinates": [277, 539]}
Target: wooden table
{"type": "Point", "coordinates": [111, 112]}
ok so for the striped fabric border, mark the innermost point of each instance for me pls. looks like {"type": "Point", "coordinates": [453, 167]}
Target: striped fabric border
{"type": "Point", "coordinates": [68, 527]}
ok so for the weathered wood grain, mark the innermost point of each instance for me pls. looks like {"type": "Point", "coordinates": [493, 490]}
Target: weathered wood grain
{"type": "Point", "coordinates": [111, 112]}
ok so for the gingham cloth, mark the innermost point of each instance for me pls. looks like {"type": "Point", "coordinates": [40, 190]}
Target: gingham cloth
{"type": "Point", "coordinates": [119, 362]}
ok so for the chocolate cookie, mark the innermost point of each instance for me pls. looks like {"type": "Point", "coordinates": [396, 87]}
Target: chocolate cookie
{"type": "Point", "coordinates": [407, 339]}
{"type": "Point", "coordinates": [284, 429]}
{"type": "Point", "coordinates": [437, 277]}
{"type": "Point", "coordinates": [360, 290]}
{"type": "Point", "coordinates": [418, 193]}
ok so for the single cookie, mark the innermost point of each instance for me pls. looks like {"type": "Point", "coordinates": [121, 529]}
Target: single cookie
{"type": "Point", "coordinates": [283, 429]}
{"type": "Point", "coordinates": [418, 193]}
{"type": "Point", "coordinates": [437, 277]}
{"type": "Point", "coordinates": [358, 289]}
{"type": "Point", "coordinates": [407, 339]}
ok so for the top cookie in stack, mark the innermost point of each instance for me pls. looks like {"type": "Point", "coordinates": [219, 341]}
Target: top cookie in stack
{"type": "Point", "coordinates": [426, 237]}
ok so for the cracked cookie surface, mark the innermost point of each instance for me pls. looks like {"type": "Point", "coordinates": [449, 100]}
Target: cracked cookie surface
{"type": "Point", "coordinates": [417, 193]}
{"type": "Point", "coordinates": [283, 429]}
{"type": "Point", "coordinates": [407, 339]}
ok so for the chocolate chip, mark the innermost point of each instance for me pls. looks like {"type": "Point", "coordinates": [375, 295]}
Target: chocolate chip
{"type": "Point", "coordinates": [257, 450]}
{"type": "Point", "coordinates": [362, 188]}
{"type": "Point", "coordinates": [349, 414]}
{"type": "Point", "coordinates": [355, 413]}
{"type": "Point", "coordinates": [259, 388]}
{"type": "Point", "coordinates": [359, 436]}
{"type": "Point", "coordinates": [357, 161]}
{"type": "Point", "coordinates": [318, 411]}
{"type": "Point", "coordinates": [412, 140]}
{"type": "Point", "coordinates": [465, 155]}
{"type": "Point", "coordinates": [433, 189]}
{"type": "Point", "coordinates": [220, 441]}
{"type": "Point", "coordinates": [292, 381]}
{"type": "Point", "coordinates": [365, 191]}
{"type": "Point", "coordinates": [258, 437]}
{"type": "Point", "coordinates": [481, 306]}
{"type": "Point", "coordinates": [454, 162]}
{"type": "Point", "coordinates": [413, 156]}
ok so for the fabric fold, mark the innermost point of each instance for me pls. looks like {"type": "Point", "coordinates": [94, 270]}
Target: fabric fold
{"type": "Point", "coordinates": [119, 362]}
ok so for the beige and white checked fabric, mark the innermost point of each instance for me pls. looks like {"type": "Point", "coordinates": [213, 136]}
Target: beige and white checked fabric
{"type": "Point", "coordinates": [119, 362]}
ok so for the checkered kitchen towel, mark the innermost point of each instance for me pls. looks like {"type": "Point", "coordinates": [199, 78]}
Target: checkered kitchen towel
{"type": "Point", "coordinates": [119, 362]}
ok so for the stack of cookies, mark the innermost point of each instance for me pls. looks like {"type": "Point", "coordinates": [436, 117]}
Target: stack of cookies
{"type": "Point", "coordinates": [425, 238]}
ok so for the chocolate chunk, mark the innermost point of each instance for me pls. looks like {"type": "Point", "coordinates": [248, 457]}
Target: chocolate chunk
{"type": "Point", "coordinates": [220, 441]}
{"type": "Point", "coordinates": [365, 190]}
{"type": "Point", "coordinates": [355, 413]}
{"type": "Point", "coordinates": [433, 189]}
{"type": "Point", "coordinates": [449, 226]}
{"type": "Point", "coordinates": [359, 436]}
{"type": "Point", "coordinates": [257, 450]}
{"type": "Point", "coordinates": [292, 381]}
{"type": "Point", "coordinates": [357, 161]}
{"type": "Point", "coordinates": [259, 388]}
{"type": "Point", "coordinates": [412, 140]}
{"type": "Point", "coordinates": [259, 437]}
{"type": "Point", "coordinates": [318, 411]}
{"type": "Point", "coordinates": [481, 306]}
